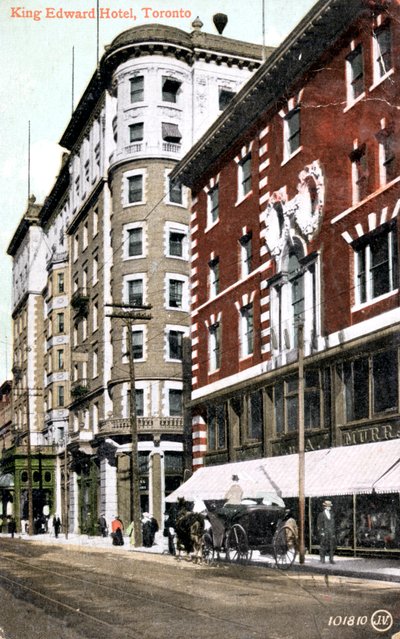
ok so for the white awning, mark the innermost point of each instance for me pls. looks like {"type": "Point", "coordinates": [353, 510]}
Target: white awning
{"type": "Point", "coordinates": [345, 470]}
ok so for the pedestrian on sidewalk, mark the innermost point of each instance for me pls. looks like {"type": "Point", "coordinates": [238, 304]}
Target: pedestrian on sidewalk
{"type": "Point", "coordinates": [56, 525]}
{"type": "Point", "coordinates": [149, 529]}
{"type": "Point", "coordinates": [12, 526]}
{"type": "Point", "coordinates": [116, 531]}
{"type": "Point", "coordinates": [327, 532]}
{"type": "Point", "coordinates": [103, 525]}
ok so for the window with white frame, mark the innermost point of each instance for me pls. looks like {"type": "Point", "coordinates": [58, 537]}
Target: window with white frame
{"type": "Point", "coordinates": [176, 243]}
{"type": "Point", "coordinates": [292, 130]}
{"type": "Point", "coordinates": [135, 188]}
{"type": "Point", "coordinates": [177, 292]}
{"type": "Point", "coordinates": [85, 236]}
{"type": "Point", "coordinates": [174, 192]}
{"type": "Point", "coordinates": [376, 264]}
{"type": "Point", "coordinates": [95, 417]}
{"type": "Point", "coordinates": [135, 291]}
{"type": "Point", "coordinates": [95, 317]}
{"type": "Point", "coordinates": [84, 329]}
{"type": "Point", "coordinates": [60, 322]}
{"type": "Point", "coordinates": [133, 243]}
{"type": "Point", "coordinates": [60, 283]}
{"type": "Point", "coordinates": [355, 74]}
{"type": "Point", "coordinates": [170, 89]}
{"type": "Point", "coordinates": [382, 51]}
{"type": "Point", "coordinates": [138, 343]}
{"type": "Point", "coordinates": [95, 222]}
{"type": "Point", "coordinates": [60, 359]}
{"type": "Point", "coordinates": [359, 173]}
{"type": "Point", "coordinates": [175, 402]}
{"type": "Point", "coordinates": [95, 363]}
{"type": "Point", "coordinates": [244, 176]}
{"type": "Point", "coordinates": [246, 254]}
{"type": "Point", "coordinates": [60, 396]}
{"type": "Point", "coordinates": [214, 348]}
{"type": "Point", "coordinates": [76, 247]}
{"type": "Point", "coordinates": [213, 277]}
{"type": "Point", "coordinates": [137, 88]}
{"type": "Point", "coordinates": [246, 330]}
{"type": "Point", "coordinates": [213, 205]}
{"type": "Point", "coordinates": [136, 132]}
{"type": "Point", "coordinates": [387, 156]}
{"type": "Point", "coordinates": [95, 269]}
{"type": "Point", "coordinates": [175, 342]}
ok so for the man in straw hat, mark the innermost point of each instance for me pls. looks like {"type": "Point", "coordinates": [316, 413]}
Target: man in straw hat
{"type": "Point", "coordinates": [326, 532]}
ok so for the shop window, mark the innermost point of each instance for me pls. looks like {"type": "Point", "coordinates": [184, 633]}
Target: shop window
{"type": "Point", "coordinates": [385, 382]}
{"type": "Point", "coordinates": [216, 427]}
{"type": "Point", "coordinates": [382, 50]}
{"type": "Point", "coordinates": [175, 402]}
{"type": "Point", "coordinates": [225, 96]}
{"type": "Point", "coordinates": [170, 89]}
{"type": "Point", "coordinates": [246, 330]}
{"type": "Point", "coordinates": [136, 132]}
{"type": "Point", "coordinates": [175, 344]}
{"type": "Point", "coordinates": [213, 205]}
{"type": "Point", "coordinates": [255, 416]}
{"type": "Point", "coordinates": [244, 176]}
{"type": "Point", "coordinates": [213, 277]}
{"type": "Point", "coordinates": [355, 74]}
{"type": "Point", "coordinates": [137, 88]}
{"type": "Point", "coordinates": [376, 264]}
{"type": "Point", "coordinates": [214, 337]}
{"type": "Point", "coordinates": [246, 254]}
{"type": "Point", "coordinates": [292, 132]}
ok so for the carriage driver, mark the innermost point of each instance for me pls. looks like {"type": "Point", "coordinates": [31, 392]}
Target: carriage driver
{"type": "Point", "coordinates": [235, 492]}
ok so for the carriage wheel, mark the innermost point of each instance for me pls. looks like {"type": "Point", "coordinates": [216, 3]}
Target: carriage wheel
{"type": "Point", "coordinates": [285, 547]}
{"type": "Point", "coordinates": [237, 545]}
{"type": "Point", "coordinates": [208, 548]}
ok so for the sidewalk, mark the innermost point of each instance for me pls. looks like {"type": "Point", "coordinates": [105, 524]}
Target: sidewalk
{"type": "Point", "coordinates": [359, 567]}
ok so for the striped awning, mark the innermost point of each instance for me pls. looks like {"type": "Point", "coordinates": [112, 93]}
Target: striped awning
{"type": "Point", "coordinates": [345, 470]}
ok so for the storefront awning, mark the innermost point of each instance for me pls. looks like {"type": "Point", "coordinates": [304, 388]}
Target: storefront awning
{"type": "Point", "coordinates": [345, 470]}
{"type": "Point", "coordinates": [6, 481]}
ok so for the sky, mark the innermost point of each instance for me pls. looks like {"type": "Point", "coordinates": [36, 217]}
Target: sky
{"type": "Point", "coordinates": [36, 81]}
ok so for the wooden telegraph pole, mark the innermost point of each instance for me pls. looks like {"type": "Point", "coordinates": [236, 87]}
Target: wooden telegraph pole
{"type": "Point", "coordinates": [300, 341]}
{"type": "Point", "coordinates": [29, 464]}
{"type": "Point", "coordinates": [129, 314]}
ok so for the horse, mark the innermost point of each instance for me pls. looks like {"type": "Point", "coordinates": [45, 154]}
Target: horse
{"type": "Point", "coordinates": [189, 528]}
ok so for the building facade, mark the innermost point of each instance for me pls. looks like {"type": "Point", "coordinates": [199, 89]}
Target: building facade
{"type": "Point", "coordinates": [294, 219]}
{"type": "Point", "coordinates": [112, 232]}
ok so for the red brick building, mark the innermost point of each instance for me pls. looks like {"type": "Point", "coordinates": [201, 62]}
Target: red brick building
{"type": "Point", "coordinates": [296, 193]}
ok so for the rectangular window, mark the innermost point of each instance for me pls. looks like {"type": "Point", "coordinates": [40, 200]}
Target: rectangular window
{"type": "Point", "coordinates": [382, 51]}
{"type": "Point", "coordinates": [135, 292]}
{"type": "Point", "coordinates": [247, 330]}
{"type": "Point", "coordinates": [95, 317]}
{"type": "Point", "coordinates": [213, 205]}
{"type": "Point", "coordinates": [356, 388]}
{"type": "Point", "coordinates": [359, 167]}
{"type": "Point", "coordinates": [245, 175]}
{"type": "Point", "coordinates": [135, 242]}
{"type": "Point", "coordinates": [175, 402]}
{"type": "Point", "coordinates": [355, 74]}
{"type": "Point", "coordinates": [137, 344]}
{"type": "Point", "coordinates": [176, 243]}
{"type": "Point", "coordinates": [60, 396]}
{"type": "Point", "coordinates": [95, 361]}
{"type": "Point", "coordinates": [255, 416]}
{"type": "Point", "coordinates": [60, 282]}
{"type": "Point", "coordinates": [175, 344]}
{"type": "Point", "coordinates": [292, 132]}
{"type": "Point", "coordinates": [60, 323]}
{"type": "Point", "coordinates": [95, 267]}
{"type": "Point", "coordinates": [136, 132]}
{"type": "Point", "coordinates": [87, 170]}
{"type": "Point", "coordinates": [175, 299]}
{"type": "Point", "coordinates": [85, 236]}
{"type": "Point", "coordinates": [385, 382]}
{"type": "Point", "coordinates": [214, 277]}
{"type": "Point", "coordinates": [376, 265]}
{"type": "Point", "coordinates": [387, 157]}
{"type": "Point", "coordinates": [215, 346]}
{"type": "Point", "coordinates": [175, 192]}
{"type": "Point", "coordinates": [170, 89]}
{"type": "Point", "coordinates": [225, 96]}
{"type": "Point", "coordinates": [137, 88]}
{"type": "Point", "coordinates": [216, 427]}
{"type": "Point", "coordinates": [95, 222]}
{"type": "Point", "coordinates": [135, 188]}
{"type": "Point", "coordinates": [139, 397]}
{"type": "Point", "coordinates": [312, 399]}
{"type": "Point", "coordinates": [246, 254]}
{"type": "Point", "coordinates": [60, 360]}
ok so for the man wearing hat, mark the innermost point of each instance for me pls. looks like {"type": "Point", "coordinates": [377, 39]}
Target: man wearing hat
{"type": "Point", "coordinates": [326, 532]}
{"type": "Point", "coordinates": [234, 494]}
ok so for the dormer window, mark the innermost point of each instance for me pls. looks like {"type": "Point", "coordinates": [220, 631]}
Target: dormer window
{"type": "Point", "coordinates": [170, 89]}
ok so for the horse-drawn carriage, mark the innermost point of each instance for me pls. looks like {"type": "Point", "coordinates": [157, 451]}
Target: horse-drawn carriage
{"type": "Point", "coordinates": [235, 531]}
{"type": "Point", "coordinates": [238, 530]}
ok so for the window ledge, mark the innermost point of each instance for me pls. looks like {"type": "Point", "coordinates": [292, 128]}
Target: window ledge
{"type": "Point", "coordinates": [133, 257]}
{"type": "Point", "coordinates": [381, 79]}
{"type": "Point", "coordinates": [375, 300]}
{"type": "Point", "coordinates": [243, 197]}
{"type": "Point", "coordinates": [373, 195]}
{"type": "Point", "coordinates": [127, 204]}
{"type": "Point", "coordinates": [182, 258]}
{"type": "Point", "coordinates": [292, 155]}
{"type": "Point", "coordinates": [351, 104]}
{"type": "Point", "coordinates": [243, 358]}
{"type": "Point", "coordinates": [211, 226]}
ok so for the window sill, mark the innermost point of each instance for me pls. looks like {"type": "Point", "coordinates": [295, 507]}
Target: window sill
{"type": "Point", "coordinates": [133, 257]}
{"type": "Point", "coordinates": [180, 205]}
{"type": "Point", "coordinates": [375, 300]}
{"type": "Point", "coordinates": [242, 198]}
{"type": "Point", "coordinates": [127, 204]}
{"type": "Point", "coordinates": [211, 226]}
{"type": "Point", "coordinates": [182, 258]}
{"type": "Point", "coordinates": [381, 79]}
{"type": "Point", "coordinates": [176, 308]}
{"type": "Point", "coordinates": [290, 157]}
{"type": "Point", "coordinates": [243, 358]}
{"type": "Point", "coordinates": [351, 104]}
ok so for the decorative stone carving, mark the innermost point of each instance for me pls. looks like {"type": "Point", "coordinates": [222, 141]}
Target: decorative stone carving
{"type": "Point", "coordinates": [301, 215]}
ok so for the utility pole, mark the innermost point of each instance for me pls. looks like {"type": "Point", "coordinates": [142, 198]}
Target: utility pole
{"type": "Point", "coordinates": [29, 464]}
{"type": "Point", "coordinates": [130, 313]}
{"type": "Point", "coordinates": [187, 413]}
{"type": "Point", "coordinates": [300, 342]}
{"type": "Point", "coordinates": [65, 518]}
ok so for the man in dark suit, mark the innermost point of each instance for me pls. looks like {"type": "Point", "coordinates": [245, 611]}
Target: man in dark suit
{"type": "Point", "coordinates": [327, 532]}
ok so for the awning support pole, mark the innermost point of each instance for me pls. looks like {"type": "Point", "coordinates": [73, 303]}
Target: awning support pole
{"type": "Point", "coordinates": [354, 525]}
{"type": "Point", "coordinates": [300, 341]}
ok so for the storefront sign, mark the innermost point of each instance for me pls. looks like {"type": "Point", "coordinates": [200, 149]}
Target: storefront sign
{"type": "Point", "coordinates": [366, 435]}
{"type": "Point", "coordinates": [311, 442]}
